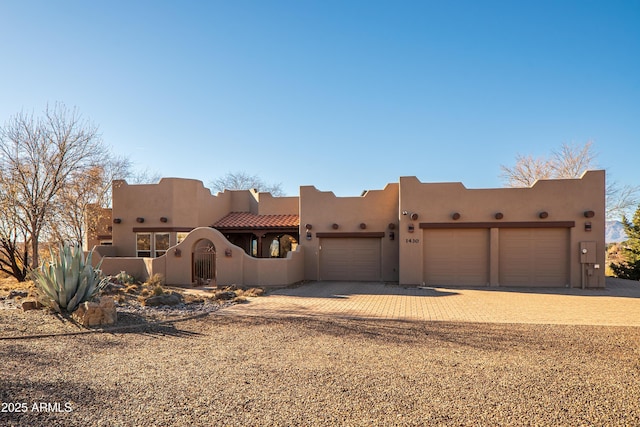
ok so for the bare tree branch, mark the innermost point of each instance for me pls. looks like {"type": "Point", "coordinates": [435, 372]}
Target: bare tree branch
{"type": "Point", "coordinates": [39, 158]}
{"type": "Point", "coordinates": [244, 181]}
{"type": "Point", "coordinates": [570, 161]}
{"type": "Point", "coordinates": [526, 172]}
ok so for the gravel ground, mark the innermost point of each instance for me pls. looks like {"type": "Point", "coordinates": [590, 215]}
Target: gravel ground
{"type": "Point", "coordinates": [230, 370]}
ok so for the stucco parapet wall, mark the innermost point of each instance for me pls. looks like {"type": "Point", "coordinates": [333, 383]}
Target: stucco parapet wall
{"type": "Point", "coordinates": [556, 199]}
{"type": "Point", "coordinates": [164, 182]}
{"type": "Point", "coordinates": [311, 190]}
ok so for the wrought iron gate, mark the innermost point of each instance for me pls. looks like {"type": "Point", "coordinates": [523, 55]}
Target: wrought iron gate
{"type": "Point", "coordinates": [204, 265]}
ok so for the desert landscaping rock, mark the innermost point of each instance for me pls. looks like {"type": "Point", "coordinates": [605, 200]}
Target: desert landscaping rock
{"type": "Point", "coordinates": [18, 293]}
{"type": "Point", "coordinates": [225, 295]}
{"type": "Point", "coordinates": [96, 314]}
{"type": "Point", "coordinates": [30, 305]}
{"type": "Point", "coordinates": [172, 298]}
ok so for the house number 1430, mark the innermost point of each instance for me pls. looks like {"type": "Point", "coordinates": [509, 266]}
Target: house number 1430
{"type": "Point", "coordinates": [413, 240]}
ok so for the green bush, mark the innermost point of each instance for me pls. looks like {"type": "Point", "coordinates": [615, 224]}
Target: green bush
{"type": "Point", "coordinates": [68, 280]}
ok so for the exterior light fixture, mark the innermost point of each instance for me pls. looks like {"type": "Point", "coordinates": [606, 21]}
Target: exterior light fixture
{"type": "Point", "coordinates": [177, 252]}
{"type": "Point", "coordinates": [411, 228]}
{"type": "Point", "coordinates": [543, 214]}
{"type": "Point", "coordinates": [117, 220]}
{"type": "Point", "coordinates": [587, 226]}
{"type": "Point", "coordinates": [392, 235]}
{"type": "Point", "coordinates": [308, 235]}
{"type": "Point", "coordinates": [335, 226]}
{"type": "Point", "coordinates": [412, 215]}
{"type": "Point", "coordinates": [589, 214]}
{"type": "Point", "coordinates": [455, 216]}
{"type": "Point", "coordinates": [392, 226]}
{"type": "Point", "coordinates": [308, 226]}
{"type": "Point", "coordinates": [363, 225]}
{"type": "Point", "coordinates": [140, 219]}
{"type": "Point", "coordinates": [163, 219]}
{"type": "Point", "coordinates": [499, 215]}
{"type": "Point", "coordinates": [228, 253]}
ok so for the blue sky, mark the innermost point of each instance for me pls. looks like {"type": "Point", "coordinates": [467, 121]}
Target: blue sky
{"type": "Point", "coordinates": [345, 95]}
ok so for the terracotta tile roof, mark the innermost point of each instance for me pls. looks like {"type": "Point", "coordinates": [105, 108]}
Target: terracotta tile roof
{"type": "Point", "coordinates": [253, 221]}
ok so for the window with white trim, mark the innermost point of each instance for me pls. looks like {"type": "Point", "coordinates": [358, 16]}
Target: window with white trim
{"type": "Point", "coordinates": [161, 243]}
{"type": "Point", "coordinates": [143, 245]}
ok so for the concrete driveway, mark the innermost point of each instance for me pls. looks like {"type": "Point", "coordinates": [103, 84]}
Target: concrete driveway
{"type": "Point", "coordinates": [617, 305]}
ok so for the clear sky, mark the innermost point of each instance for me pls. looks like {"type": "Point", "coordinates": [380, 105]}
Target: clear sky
{"type": "Point", "coordinates": [345, 95]}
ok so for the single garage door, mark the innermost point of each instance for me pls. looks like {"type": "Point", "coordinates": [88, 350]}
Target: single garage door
{"type": "Point", "coordinates": [350, 259]}
{"type": "Point", "coordinates": [534, 256]}
{"type": "Point", "coordinates": [456, 257]}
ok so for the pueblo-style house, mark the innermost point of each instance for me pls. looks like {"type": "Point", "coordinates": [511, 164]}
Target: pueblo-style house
{"type": "Point", "coordinates": [410, 232]}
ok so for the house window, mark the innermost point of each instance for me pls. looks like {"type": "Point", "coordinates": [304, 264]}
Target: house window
{"type": "Point", "coordinates": [161, 243]}
{"type": "Point", "coordinates": [180, 236]}
{"type": "Point", "coordinates": [143, 244]}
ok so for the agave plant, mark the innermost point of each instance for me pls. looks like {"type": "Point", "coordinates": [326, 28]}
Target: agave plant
{"type": "Point", "coordinates": [68, 279]}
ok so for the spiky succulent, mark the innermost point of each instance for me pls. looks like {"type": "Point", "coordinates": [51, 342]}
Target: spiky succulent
{"type": "Point", "coordinates": [68, 280]}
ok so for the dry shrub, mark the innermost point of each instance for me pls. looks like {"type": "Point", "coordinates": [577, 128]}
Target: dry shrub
{"type": "Point", "coordinates": [254, 292]}
{"type": "Point", "coordinates": [240, 300]}
{"type": "Point", "coordinates": [132, 289]}
{"type": "Point", "coordinates": [155, 281]}
{"type": "Point", "coordinates": [145, 293]}
{"type": "Point", "coordinates": [239, 292]}
{"type": "Point", "coordinates": [158, 290]}
{"type": "Point", "coordinates": [11, 284]}
{"type": "Point", "coordinates": [192, 299]}
{"type": "Point", "coordinates": [142, 300]}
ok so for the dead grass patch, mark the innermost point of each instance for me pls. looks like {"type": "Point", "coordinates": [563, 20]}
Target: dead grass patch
{"type": "Point", "coordinates": [254, 292]}
{"type": "Point", "coordinates": [9, 284]}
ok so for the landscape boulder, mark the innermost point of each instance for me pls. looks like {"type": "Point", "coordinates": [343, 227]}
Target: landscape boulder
{"type": "Point", "coordinates": [96, 314]}
{"type": "Point", "coordinates": [18, 293]}
{"type": "Point", "coordinates": [225, 295]}
{"type": "Point", "coordinates": [173, 298]}
{"type": "Point", "coordinates": [30, 305]}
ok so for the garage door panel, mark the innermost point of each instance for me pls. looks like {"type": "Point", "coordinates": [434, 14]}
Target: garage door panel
{"type": "Point", "coordinates": [350, 259]}
{"type": "Point", "coordinates": [456, 257]}
{"type": "Point", "coordinates": [534, 257]}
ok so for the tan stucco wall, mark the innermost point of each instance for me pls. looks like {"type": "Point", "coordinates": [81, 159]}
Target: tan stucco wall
{"type": "Point", "coordinates": [186, 203]}
{"type": "Point", "coordinates": [564, 200]}
{"type": "Point", "coordinates": [137, 267]}
{"type": "Point", "coordinates": [376, 208]}
{"type": "Point", "coordinates": [239, 268]}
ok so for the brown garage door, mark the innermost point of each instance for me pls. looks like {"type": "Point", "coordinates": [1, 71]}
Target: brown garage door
{"type": "Point", "coordinates": [350, 259]}
{"type": "Point", "coordinates": [534, 257]}
{"type": "Point", "coordinates": [456, 257]}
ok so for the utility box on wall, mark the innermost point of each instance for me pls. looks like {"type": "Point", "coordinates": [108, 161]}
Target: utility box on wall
{"type": "Point", "coordinates": [588, 253]}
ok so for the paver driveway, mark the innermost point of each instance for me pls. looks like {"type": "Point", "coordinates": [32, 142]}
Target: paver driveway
{"type": "Point", "coordinates": [617, 305]}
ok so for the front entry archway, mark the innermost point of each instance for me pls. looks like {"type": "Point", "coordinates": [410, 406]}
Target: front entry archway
{"type": "Point", "coordinates": [203, 265]}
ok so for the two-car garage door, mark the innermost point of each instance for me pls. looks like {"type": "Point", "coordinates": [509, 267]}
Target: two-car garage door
{"type": "Point", "coordinates": [347, 258]}
{"type": "Point", "coordinates": [526, 256]}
